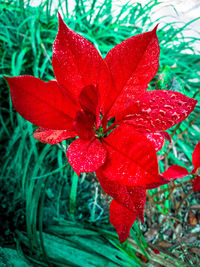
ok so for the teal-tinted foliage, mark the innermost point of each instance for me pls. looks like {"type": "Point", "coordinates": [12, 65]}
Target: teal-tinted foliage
{"type": "Point", "coordinates": [67, 217]}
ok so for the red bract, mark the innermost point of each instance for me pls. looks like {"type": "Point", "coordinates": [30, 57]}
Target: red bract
{"type": "Point", "coordinates": [196, 183]}
{"type": "Point", "coordinates": [176, 171]}
{"type": "Point", "coordinates": [196, 164]}
{"type": "Point", "coordinates": [196, 158]}
{"type": "Point", "coordinates": [87, 93]}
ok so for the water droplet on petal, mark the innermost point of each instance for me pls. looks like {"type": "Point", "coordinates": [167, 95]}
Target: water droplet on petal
{"type": "Point", "coordinates": [175, 116]}
{"type": "Point", "coordinates": [137, 103]}
{"type": "Point", "coordinates": [181, 103]}
{"type": "Point", "coordinates": [152, 124]}
{"type": "Point", "coordinates": [185, 114]}
{"type": "Point", "coordinates": [162, 100]}
{"type": "Point", "coordinates": [148, 110]}
{"type": "Point", "coordinates": [168, 106]}
{"type": "Point", "coordinates": [173, 96]}
{"type": "Point", "coordinates": [152, 100]}
{"type": "Point", "coordinates": [162, 112]}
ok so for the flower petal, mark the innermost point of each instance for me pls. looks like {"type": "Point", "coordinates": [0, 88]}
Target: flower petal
{"type": "Point", "coordinates": [122, 219]}
{"type": "Point", "coordinates": [133, 64]}
{"type": "Point", "coordinates": [196, 156]}
{"type": "Point", "coordinates": [89, 100]}
{"type": "Point", "coordinates": [174, 172]}
{"type": "Point", "coordinates": [166, 136]}
{"type": "Point", "coordinates": [196, 184]}
{"type": "Point", "coordinates": [86, 156]}
{"type": "Point", "coordinates": [131, 160]}
{"type": "Point", "coordinates": [76, 62]}
{"type": "Point", "coordinates": [53, 137]}
{"type": "Point", "coordinates": [161, 181]}
{"type": "Point", "coordinates": [83, 124]}
{"type": "Point", "coordinates": [41, 103]}
{"type": "Point", "coordinates": [133, 198]}
{"type": "Point", "coordinates": [158, 110]}
{"type": "Point", "coordinates": [156, 139]}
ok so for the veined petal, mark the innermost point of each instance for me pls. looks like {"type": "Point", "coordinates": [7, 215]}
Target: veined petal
{"type": "Point", "coordinates": [131, 160]}
{"type": "Point", "coordinates": [133, 64]}
{"type": "Point", "coordinates": [196, 184]}
{"type": "Point", "coordinates": [86, 156]}
{"type": "Point", "coordinates": [161, 181]}
{"type": "Point", "coordinates": [84, 124]}
{"type": "Point", "coordinates": [122, 219]}
{"type": "Point", "coordinates": [76, 62]}
{"type": "Point", "coordinates": [53, 137]}
{"type": "Point", "coordinates": [42, 103]}
{"type": "Point", "coordinates": [172, 173]}
{"type": "Point", "coordinates": [166, 136]}
{"type": "Point", "coordinates": [133, 198]}
{"type": "Point", "coordinates": [196, 156]}
{"type": "Point", "coordinates": [89, 100]}
{"type": "Point", "coordinates": [158, 110]}
{"type": "Point", "coordinates": [156, 139]}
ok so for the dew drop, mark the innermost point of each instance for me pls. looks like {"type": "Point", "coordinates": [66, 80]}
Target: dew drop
{"type": "Point", "coordinates": [152, 124]}
{"type": "Point", "coordinates": [181, 103]}
{"type": "Point", "coordinates": [152, 100]}
{"type": "Point", "coordinates": [173, 96]}
{"type": "Point", "coordinates": [148, 110]}
{"type": "Point", "coordinates": [137, 103]}
{"type": "Point", "coordinates": [157, 120]}
{"type": "Point", "coordinates": [139, 119]}
{"type": "Point", "coordinates": [185, 113]}
{"type": "Point", "coordinates": [168, 106]}
{"type": "Point", "coordinates": [162, 112]}
{"type": "Point", "coordinates": [175, 116]}
{"type": "Point", "coordinates": [162, 100]}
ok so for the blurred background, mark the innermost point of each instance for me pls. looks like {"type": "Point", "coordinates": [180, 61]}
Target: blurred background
{"type": "Point", "coordinates": [49, 216]}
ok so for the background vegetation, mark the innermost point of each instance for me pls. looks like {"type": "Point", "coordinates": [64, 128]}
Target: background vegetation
{"type": "Point", "coordinates": [49, 215]}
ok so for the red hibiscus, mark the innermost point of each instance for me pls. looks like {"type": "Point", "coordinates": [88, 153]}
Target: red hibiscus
{"type": "Point", "coordinates": [87, 93]}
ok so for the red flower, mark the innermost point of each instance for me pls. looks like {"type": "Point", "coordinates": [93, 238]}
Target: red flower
{"type": "Point", "coordinates": [196, 164]}
{"type": "Point", "coordinates": [87, 93]}
{"type": "Point", "coordinates": [175, 171]}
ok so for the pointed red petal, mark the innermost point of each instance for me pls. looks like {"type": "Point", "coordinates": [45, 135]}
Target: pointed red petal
{"type": "Point", "coordinates": [196, 156]}
{"type": "Point", "coordinates": [53, 137]}
{"type": "Point", "coordinates": [76, 62]}
{"type": "Point", "coordinates": [166, 136]}
{"type": "Point", "coordinates": [133, 64]}
{"type": "Point", "coordinates": [158, 110]}
{"type": "Point", "coordinates": [156, 139]}
{"type": "Point", "coordinates": [174, 172]}
{"type": "Point", "coordinates": [122, 219]}
{"type": "Point", "coordinates": [131, 160]}
{"type": "Point", "coordinates": [84, 124]}
{"type": "Point", "coordinates": [161, 181]}
{"type": "Point", "coordinates": [41, 103]}
{"type": "Point", "coordinates": [196, 184]}
{"type": "Point", "coordinates": [86, 156]}
{"type": "Point", "coordinates": [133, 198]}
{"type": "Point", "coordinates": [89, 100]}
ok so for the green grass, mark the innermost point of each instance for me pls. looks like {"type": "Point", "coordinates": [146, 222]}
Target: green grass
{"type": "Point", "coordinates": [51, 192]}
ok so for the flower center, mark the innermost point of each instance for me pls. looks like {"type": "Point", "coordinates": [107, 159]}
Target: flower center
{"type": "Point", "coordinates": [99, 132]}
